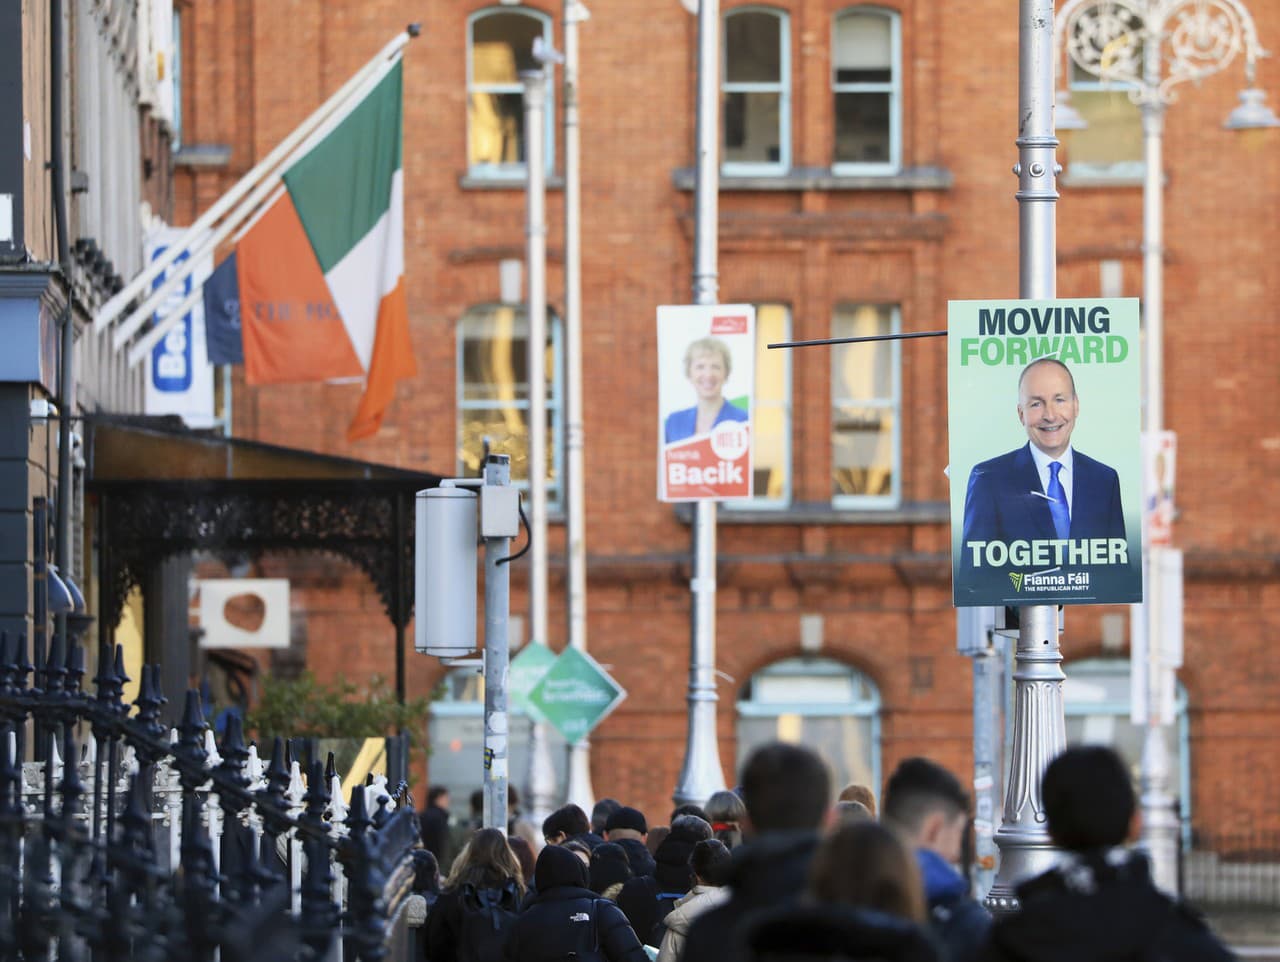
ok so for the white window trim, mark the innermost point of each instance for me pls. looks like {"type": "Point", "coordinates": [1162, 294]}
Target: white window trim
{"type": "Point", "coordinates": [893, 88]}
{"type": "Point", "coordinates": [892, 403]}
{"type": "Point", "coordinates": [555, 401]}
{"type": "Point", "coordinates": [514, 171]}
{"type": "Point", "coordinates": [782, 88]}
{"type": "Point", "coordinates": [783, 502]}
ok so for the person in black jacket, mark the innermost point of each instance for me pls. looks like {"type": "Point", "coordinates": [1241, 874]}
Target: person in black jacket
{"type": "Point", "coordinates": [433, 823]}
{"type": "Point", "coordinates": [1098, 903]}
{"type": "Point", "coordinates": [566, 920]}
{"type": "Point", "coordinates": [647, 899]}
{"type": "Point", "coordinates": [787, 792]}
{"type": "Point", "coordinates": [931, 808]}
{"type": "Point", "coordinates": [627, 827]}
{"type": "Point", "coordinates": [486, 879]}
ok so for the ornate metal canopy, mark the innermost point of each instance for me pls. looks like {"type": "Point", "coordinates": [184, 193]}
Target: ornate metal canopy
{"type": "Point", "coordinates": [162, 490]}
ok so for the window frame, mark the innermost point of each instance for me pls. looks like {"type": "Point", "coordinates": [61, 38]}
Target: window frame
{"type": "Point", "coordinates": [878, 502]}
{"type": "Point", "coordinates": [555, 398]}
{"type": "Point", "coordinates": [818, 663]}
{"type": "Point", "coordinates": [782, 88]}
{"type": "Point", "coordinates": [1125, 171]}
{"type": "Point", "coordinates": [518, 170]}
{"type": "Point", "coordinates": [782, 503]}
{"type": "Point", "coordinates": [894, 88]}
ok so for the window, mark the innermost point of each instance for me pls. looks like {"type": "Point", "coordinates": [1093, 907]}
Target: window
{"type": "Point", "coordinates": [771, 412]}
{"type": "Point", "coordinates": [1111, 145]}
{"type": "Point", "coordinates": [866, 80]}
{"type": "Point", "coordinates": [865, 403]}
{"type": "Point", "coordinates": [820, 703]}
{"type": "Point", "coordinates": [757, 92]}
{"type": "Point", "coordinates": [500, 45]}
{"type": "Point", "coordinates": [1096, 702]}
{"type": "Point", "coordinates": [493, 393]}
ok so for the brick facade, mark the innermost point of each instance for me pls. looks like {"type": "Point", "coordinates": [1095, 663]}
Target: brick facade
{"type": "Point", "coordinates": [256, 67]}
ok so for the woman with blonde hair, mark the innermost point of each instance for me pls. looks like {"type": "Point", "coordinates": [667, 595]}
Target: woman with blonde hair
{"type": "Point", "coordinates": [726, 812]}
{"type": "Point", "coordinates": [865, 902]}
{"type": "Point", "coordinates": [479, 901]}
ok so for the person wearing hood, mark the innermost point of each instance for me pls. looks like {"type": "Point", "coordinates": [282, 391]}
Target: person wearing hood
{"type": "Point", "coordinates": [710, 865]}
{"type": "Point", "coordinates": [647, 899]}
{"type": "Point", "coordinates": [787, 792]}
{"type": "Point", "coordinates": [609, 870]}
{"type": "Point", "coordinates": [864, 903]}
{"type": "Point", "coordinates": [627, 827]}
{"type": "Point", "coordinates": [1098, 902]}
{"type": "Point", "coordinates": [930, 807]}
{"type": "Point", "coordinates": [567, 920]}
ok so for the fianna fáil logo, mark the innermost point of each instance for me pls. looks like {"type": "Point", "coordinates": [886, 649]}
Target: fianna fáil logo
{"type": "Point", "coordinates": [1016, 577]}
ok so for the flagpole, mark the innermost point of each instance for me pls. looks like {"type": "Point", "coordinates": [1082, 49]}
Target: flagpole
{"type": "Point", "coordinates": [117, 303]}
{"type": "Point", "coordinates": [126, 328]}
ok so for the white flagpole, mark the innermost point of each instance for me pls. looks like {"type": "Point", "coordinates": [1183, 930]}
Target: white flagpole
{"type": "Point", "coordinates": [265, 188]}
{"type": "Point", "coordinates": [116, 305]}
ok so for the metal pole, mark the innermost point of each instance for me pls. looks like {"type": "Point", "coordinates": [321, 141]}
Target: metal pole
{"type": "Point", "coordinates": [977, 640]}
{"type": "Point", "coordinates": [536, 254]}
{"type": "Point", "coordinates": [702, 774]}
{"type": "Point", "coordinates": [497, 658]}
{"type": "Point", "coordinates": [579, 775]}
{"type": "Point", "coordinates": [1039, 725]}
{"type": "Point", "coordinates": [1159, 823]}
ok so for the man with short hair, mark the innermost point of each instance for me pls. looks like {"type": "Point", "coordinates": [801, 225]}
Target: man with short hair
{"type": "Point", "coordinates": [1098, 903]}
{"type": "Point", "coordinates": [627, 827]}
{"type": "Point", "coordinates": [569, 822]}
{"type": "Point", "coordinates": [787, 792]}
{"type": "Point", "coordinates": [927, 803]}
{"type": "Point", "coordinates": [433, 822]}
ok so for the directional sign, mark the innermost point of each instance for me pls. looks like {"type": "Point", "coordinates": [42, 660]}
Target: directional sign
{"type": "Point", "coordinates": [527, 668]}
{"type": "Point", "coordinates": [576, 695]}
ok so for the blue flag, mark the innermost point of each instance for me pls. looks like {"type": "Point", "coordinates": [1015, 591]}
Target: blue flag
{"type": "Point", "coordinates": [222, 314]}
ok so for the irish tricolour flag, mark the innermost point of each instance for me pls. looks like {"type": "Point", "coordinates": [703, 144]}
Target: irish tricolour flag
{"type": "Point", "coordinates": [348, 191]}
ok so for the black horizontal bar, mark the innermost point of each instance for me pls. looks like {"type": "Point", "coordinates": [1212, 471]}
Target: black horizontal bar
{"type": "Point", "coordinates": [856, 340]}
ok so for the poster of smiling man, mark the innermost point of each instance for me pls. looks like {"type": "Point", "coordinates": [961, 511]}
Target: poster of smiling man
{"type": "Point", "coordinates": [706, 368]}
{"type": "Point", "coordinates": [1046, 465]}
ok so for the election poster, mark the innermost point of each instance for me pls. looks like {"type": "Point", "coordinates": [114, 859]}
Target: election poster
{"type": "Point", "coordinates": [706, 371]}
{"type": "Point", "coordinates": [1046, 457]}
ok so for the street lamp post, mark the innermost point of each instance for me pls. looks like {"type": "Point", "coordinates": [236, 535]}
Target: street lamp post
{"type": "Point", "coordinates": [1149, 47]}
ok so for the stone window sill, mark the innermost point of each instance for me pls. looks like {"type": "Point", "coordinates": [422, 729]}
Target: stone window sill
{"type": "Point", "coordinates": [821, 178]}
{"type": "Point", "coordinates": [916, 512]}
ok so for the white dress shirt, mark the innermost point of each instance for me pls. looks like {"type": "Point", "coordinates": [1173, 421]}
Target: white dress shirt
{"type": "Point", "coordinates": [1064, 475]}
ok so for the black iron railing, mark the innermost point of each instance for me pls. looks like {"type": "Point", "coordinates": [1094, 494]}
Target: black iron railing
{"type": "Point", "coordinates": [130, 841]}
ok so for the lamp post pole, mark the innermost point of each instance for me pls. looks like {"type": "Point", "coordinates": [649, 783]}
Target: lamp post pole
{"type": "Point", "coordinates": [579, 775]}
{"type": "Point", "coordinates": [1126, 44]}
{"type": "Point", "coordinates": [701, 775]}
{"type": "Point", "coordinates": [1039, 726]}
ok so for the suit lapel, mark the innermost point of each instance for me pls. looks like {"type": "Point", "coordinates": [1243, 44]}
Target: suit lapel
{"type": "Point", "coordinates": [1029, 496]}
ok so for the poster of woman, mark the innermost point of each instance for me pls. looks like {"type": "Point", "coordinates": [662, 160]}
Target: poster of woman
{"type": "Point", "coordinates": [706, 370]}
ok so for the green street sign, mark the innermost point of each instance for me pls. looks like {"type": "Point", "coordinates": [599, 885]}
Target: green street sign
{"type": "Point", "coordinates": [576, 695]}
{"type": "Point", "coordinates": [527, 668]}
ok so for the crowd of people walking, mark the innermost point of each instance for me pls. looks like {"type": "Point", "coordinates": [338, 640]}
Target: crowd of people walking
{"type": "Point", "coordinates": [773, 872]}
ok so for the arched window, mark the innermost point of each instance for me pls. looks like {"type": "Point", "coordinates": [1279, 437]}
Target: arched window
{"type": "Point", "coordinates": [1096, 701]}
{"type": "Point", "coordinates": [499, 46]}
{"type": "Point", "coordinates": [757, 92]}
{"type": "Point", "coordinates": [826, 705]}
{"type": "Point", "coordinates": [456, 736]}
{"type": "Point", "coordinates": [866, 79]}
{"type": "Point", "coordinates": [493, 393]}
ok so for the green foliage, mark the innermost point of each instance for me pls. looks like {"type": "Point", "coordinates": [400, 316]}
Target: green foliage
{"type": "Point", "coordinates": [305, 708]}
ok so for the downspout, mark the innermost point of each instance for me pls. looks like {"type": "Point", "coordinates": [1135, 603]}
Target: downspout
{"type": "Point", "coordinates": [62, 524]}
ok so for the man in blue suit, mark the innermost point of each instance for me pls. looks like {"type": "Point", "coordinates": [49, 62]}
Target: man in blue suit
{"type": "Point", "coordinates": [1044, 490]}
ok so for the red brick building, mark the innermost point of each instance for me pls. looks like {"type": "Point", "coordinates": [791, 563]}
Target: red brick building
{"type": "Point", "coordinates": [867, 182]}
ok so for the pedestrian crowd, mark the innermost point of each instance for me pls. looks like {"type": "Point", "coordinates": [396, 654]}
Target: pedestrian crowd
{"type": "Point", "coordinates": [772, 872]}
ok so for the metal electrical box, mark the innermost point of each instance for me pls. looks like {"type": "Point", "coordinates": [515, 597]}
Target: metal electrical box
{"type": "Point", "coordinates": [445, 572]}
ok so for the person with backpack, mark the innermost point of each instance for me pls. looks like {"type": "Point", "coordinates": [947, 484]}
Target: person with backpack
{"type": "Point", "coordinates": [478, 906]}
{"type": "Point", "coordinates": [567, 922]}
{"type": "Point", "coordinates": [647, 899]}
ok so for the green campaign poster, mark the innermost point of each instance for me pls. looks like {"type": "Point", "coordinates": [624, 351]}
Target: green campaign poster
{"type": "Point", "coordinates": [576, 694]}
{"type": "Point", "coordinates": [1045, 459]}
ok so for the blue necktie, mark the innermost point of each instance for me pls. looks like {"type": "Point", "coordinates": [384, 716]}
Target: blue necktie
{"type": "Point", "coordinates": [1058, 502]}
